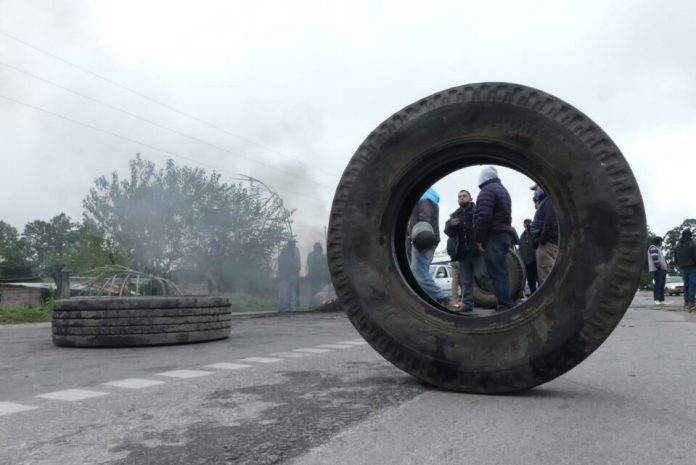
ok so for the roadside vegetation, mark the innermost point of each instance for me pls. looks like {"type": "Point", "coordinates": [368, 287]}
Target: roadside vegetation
{"type": "Point", "coordinates": [16, 315]}
{"type": "Point", "coordinates": [243, 302]}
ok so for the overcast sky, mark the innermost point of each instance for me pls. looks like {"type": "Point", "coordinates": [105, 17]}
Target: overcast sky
{"type": "Point", "coordinates": [293, 88]}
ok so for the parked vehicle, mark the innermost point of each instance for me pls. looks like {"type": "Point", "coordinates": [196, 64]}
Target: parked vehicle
{"type": "Point", "coordinates": [442, 274]}
{"type": "Point", "coordinates": [674, 285]}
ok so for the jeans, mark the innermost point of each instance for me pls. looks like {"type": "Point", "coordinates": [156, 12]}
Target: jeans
{"type": "Point", "coordinates": [495, 252]}
{"type": "Point", "coordinates": [456, 282]}
{"type": "Point", "coordinates": [285, 289]}
{"type": "Point", "coordinates": [532, 277]}
{"type": "Point", "coordinates": [420, 266]}
{"type": "Point", "coordinates": [659, 284]}
{"type": "Point", "coordinates": [689, 275]}
{"type": "Point", "coordinates": [469, 266]}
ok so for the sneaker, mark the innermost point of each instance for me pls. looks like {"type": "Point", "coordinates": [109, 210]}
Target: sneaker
{"type": "Point", "coordinates": [657, 302]}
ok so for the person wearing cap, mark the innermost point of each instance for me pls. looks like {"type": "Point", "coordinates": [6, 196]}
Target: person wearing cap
{"type": "Point", "coordinates": [544, 233]}
{"type": "Point", "coordinates": [428, 211]}
{"type": "Point", "coordinates": [288, 275]}
{"type": "Point", "coordinates": [685, 258]}
{"type": "Point", "coordinates": [493, 229]}
{"type": "Point", "coordinates": [657, 265]}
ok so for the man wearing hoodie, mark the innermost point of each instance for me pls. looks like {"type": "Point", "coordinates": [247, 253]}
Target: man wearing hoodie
{"type": "Point", "coordinates": [493, 228]}
{"type": "Point", "coordinates": [461, 247]}
{"type": "Point", "coordinates": [427, 210]}
{"type": "Point", "coordinates": [685, 257]}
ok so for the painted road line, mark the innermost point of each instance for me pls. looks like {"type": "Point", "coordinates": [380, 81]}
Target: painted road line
{"type": "Point", "coordinates": [185, 374]}
{"type": "Point", "coordinates": [335, 346]}
{"type": "Point", "coordinates": [261, 360]}
{"type": "Point", "coordinates": [312, 350]}
{"type": "Point", "coordinates": [226, 366]}
{"type": "Point", "coordinates": [133, 383]}
{"type": "Point", "coordinates": [352, 343]}
{"type": "Point", "coordinates": [289, 354]}
{"type": "Point", "coordinates": [72, 395]}
{"type": "Point", "coordinates": [7, 408]}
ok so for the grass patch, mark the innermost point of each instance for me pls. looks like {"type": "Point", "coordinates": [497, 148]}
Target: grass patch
{"type": "Point", "coordinates": [15, 315]}
{"type": "Point", "coordinates": [243, 302]}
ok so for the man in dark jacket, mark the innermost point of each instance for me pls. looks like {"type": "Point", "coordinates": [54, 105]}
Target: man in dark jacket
{"type": "Point", "coordinates": [427, 210]}
{"type": "Point", "coordinates": [529, 256]}
{"type": "Point", "coordinates": [685, 257]}
{"type": "Point", "coordinates": [461, 247]}
{"type": "Point", "coordinates": [544, 232]}
{"type": "Point", "coordinates": [288, 274]}
{"type": "Point", "coordinates": [493, 226]}
{"type": "Point", "coordinates": [317, 273]}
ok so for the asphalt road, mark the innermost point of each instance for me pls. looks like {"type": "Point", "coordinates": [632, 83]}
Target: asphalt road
{"type": "Point", "coordinates": [301, 389]}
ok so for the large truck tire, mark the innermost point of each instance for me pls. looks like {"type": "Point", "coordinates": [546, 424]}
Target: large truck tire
{"type": "Point", "coordinates": [139, 321]}
{"type": "Point", "coordinates": [601, 223]}
{"type": "Point", "coordinates": [484, 297]}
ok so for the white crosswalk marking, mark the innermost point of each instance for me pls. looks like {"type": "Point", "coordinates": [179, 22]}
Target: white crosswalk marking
{"type": "Point", "coordinates": [133, 383]}
{"type": "Point", "coordinates": [335, 346]}
{"type": "Point", "coordinates": [72, 395]}
{"type": "Point", "coordinates": [312, 350]}
{"type": "Point", "coordinates": [261, 360]}
{"type": "Point", "coordinates": [353, 343]}
{"type": "Point", "coordinates": [288, 354]}
{"type": "Point", "coordinates": [185, 374]}
{"type": "Point", "coordinates": [226, 366]}
{"type": "Point", "coordinates": [7, 408]}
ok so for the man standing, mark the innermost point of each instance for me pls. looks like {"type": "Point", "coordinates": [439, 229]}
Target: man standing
{"type": "Point", "coordinates": [529, 256]}
{"type": "Point", "coordinates": [657, 265]}
{"type": "Point", "coordinates": [427, 210]}
{"type": "Point", "coordinates": [462, 247]}
{"type": "Point", "coordinates": [685, 257]}
{"type": "Point", "coordinates": [317, 273]}
{"type": "Point", "coordinates": [544, 233]}
{"type": "Point", "coordinates": [493, 226]}
{"type": "Point", "coordinates": [288, 275]}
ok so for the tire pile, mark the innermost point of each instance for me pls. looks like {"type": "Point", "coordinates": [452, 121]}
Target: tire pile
{"type": "Point", "coordinates": [139, 321]}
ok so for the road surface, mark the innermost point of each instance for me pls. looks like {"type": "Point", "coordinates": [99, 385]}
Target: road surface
{"type": "Point", "coordinates": [304, 389]}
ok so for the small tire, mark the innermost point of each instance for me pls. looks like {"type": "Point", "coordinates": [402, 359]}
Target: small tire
{"type": "Point", "coordinates": [139, 321]}
{"type": "Point", "coordinates": [516, 274]}
{"type": "Point", "coordinates": [601, 224]}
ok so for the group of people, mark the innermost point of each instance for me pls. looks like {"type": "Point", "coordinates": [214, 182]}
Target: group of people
{"type": "Point", "coordinates": [684, 258]}
{"type": "Point", "coordinates": [479, 237]}
{"type": "Point", "coordinates": [288, 275]}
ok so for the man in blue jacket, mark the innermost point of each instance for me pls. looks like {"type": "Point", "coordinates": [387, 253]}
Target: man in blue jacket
{"type": "Point", "coordinates": [544, 233]}
{"type": "Point", "coordinates": [427, 210]}
{"type": "Point", "coordinates": [493, 225]}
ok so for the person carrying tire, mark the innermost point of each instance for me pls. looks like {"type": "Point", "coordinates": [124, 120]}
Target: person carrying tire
{"type": "Point", "coordinates": [685, 258]}
{"type": "Point", "coordinates": [658, 269]}
{"type": "Point", "coordinates": [493, 228]}
{"type": "Point", "coordinates": [544, 232]}
{"type": "Point", "coordinates": [427, 211]}
{"type": "Point", "coordinates": [461, 247]}
{"type": "Point", "coordinates": [528, 255]}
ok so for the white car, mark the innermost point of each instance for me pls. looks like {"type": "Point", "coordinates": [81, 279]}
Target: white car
{"type": "Point", "coordinates": [442, 274]}
{"type": "Point", "coordinates": [674, 285]}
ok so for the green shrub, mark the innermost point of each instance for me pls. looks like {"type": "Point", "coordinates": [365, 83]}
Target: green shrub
{"type": "Point", "coordinates": [243, 302]}
{"type": "Point", "coordinates": [14, 315]}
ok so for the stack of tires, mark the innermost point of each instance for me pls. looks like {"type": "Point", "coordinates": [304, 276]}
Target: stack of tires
{"type": "Point", "coordinates": [139, 321]}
